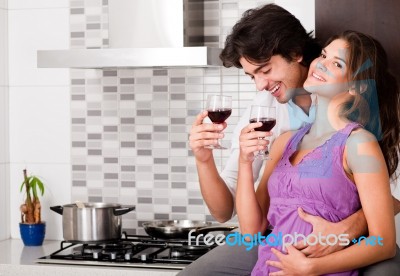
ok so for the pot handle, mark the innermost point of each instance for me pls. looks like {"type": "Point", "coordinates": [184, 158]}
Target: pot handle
{"type": "Point", "coordinates": [58, 209]}
{"type": "Point", "coordinates": [123, 210]}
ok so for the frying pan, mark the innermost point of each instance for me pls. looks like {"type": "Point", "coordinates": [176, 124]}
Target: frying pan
{"type": "Point", "coordinates": [179, 229]}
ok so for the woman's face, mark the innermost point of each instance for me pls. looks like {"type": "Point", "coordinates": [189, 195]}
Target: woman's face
{"type": "Point", "coordinates": [327, 75]}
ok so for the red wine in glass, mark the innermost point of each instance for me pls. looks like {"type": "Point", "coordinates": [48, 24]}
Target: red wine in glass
{"type": "Point", "coordinates": [219, 108]}
{"type": "Point", "coordinates": [267, 123]}
{"type": "Point", "coordinates": [267, 116]}
{"type": "Point", "coordinates": [220, 115]}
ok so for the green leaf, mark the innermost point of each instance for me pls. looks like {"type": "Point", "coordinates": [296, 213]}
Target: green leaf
{"type": "Point", "coordinates": [23, 184]}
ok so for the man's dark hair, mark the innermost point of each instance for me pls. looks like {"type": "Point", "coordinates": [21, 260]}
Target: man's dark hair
{"type": "Point", "coordinates": [266, 31]}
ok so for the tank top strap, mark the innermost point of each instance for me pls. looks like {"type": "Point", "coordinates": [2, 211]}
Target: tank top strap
{"type": "Point", "coordinates": [341, 136]}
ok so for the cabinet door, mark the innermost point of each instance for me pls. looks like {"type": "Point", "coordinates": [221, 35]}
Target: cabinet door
{"type": "Point", "coordinates": [379, 18]}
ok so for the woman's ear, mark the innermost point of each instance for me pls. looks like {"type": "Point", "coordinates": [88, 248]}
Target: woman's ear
{"type": "Point", "coordinates": [362, 88]}
{"type": "Point", "coordinates": [352, 91]}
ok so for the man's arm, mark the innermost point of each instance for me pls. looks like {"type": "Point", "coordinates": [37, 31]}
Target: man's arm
{"type": "Point", "coordinates": [216, 194]}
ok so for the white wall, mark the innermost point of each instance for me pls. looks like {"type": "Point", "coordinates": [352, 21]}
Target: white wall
{"type": "Point", "coordinates": [4, 156]}
{"type": "Point", "coordinates": [39, 107]}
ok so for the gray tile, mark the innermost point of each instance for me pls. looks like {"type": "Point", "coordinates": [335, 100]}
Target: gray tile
{"type": "Point", "coordinates": [76, 121]}
{"type": "Point", "coordinates": [94, 152]}
{"type": "Point", "coordinates": [176, 121]}
{"type": "Point", "coordinates": [94, 136]}
{"type": "Point", "coordinates": [77, 11]}
{"type": "Point", "coordinates": [178, 185]}
{"type": "Point", "coordinates": [178, 209]}
{"type": "Point", "coordinates": [181, 169]}
{"type": "Point", "coordinates": [127, 81]}
{"type": "Point", "coordinates": [161, 176]}
{"type": "Point", "coordinates": [94, 113]}
{"type": "Point", "coordinates": [79, 167]}
{"type": "Point", "coordinates": [110, 160]}
{"type": "Point", "coordinates": [78, 144]}
{"type": "Point", "coordinates": [77, 34]}
{"type": "Point", "coordinates": [95, 199]}
{"type": "Point", "coordinates": [78, 97]}
{"type": "Point", "coordinates": [160, 72]}
{"type": "Point", "coordinates": [127, 144]}
{"type": "Point", "coordinates": [195, 201]}
{"type": "Point", "coordinates": [127, 97]}
{"type": "Point", "coordinates": [109, 73]}
{"type": "Point", "coordinates": [79, 183]}
{"type": "Point", "coordinates": [110, 128]}
{"type": "Point", "coordinates": [178, 97]}
{"type": "Point", "coordinates": [110, 175]}
{"type": "Point", "coordinates": [160, 160]}
{"type": "Point", "coordinates": [160, 88]}
{"type": "Point", "coordinates": [128, 120]}
{"type": "Point", "coordinates": [143, 136]}
{"type": "Point", "coordinates": [145, 200]}
{"type": "Point", "coordinates": [143, 152]}
{"type": "Point", "coordinates": [143, 112]}
{"type": "Point", "coordinates": [93, 26]}
{"type": "Point", "coordinates": [127, 168]}
{"type": "Point", "coordinates": [160, 128]}
{"type": "Point", "coordinates": [127, 184]}
{"type": "Point", "coordinates": [110, 89]}
{"type": "Point", "coordinates": [177, 80]}
{"type": "Point", "coordinates": [178, 145]}
{"type": "Point", "coordinates": [161, 216]}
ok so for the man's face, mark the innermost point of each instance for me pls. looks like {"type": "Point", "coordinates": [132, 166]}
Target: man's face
{"type": "Point", "coordinates": [279, 77]}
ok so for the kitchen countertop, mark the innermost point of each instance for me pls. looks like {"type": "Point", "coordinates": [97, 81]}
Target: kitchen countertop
{"type": "Point", "coordinates": [17, 259]}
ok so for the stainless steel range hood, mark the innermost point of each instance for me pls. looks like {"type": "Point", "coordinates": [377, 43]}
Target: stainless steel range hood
{"type": "Point", "coordinates": [144, 33]}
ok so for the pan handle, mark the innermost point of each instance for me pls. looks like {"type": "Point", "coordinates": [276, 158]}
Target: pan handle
{"type": "Point", "coordinates": [123, 210]}
{"type": "Point", "coordinates": [58, 209]}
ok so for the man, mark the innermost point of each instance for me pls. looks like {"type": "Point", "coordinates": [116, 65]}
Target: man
{"type": "Point", "coordinates": [274, 49]}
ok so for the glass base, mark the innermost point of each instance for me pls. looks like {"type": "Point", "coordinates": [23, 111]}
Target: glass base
{"type": "Point", "coordinates": [262, 155]}
{"type": "Point", "coordinates": [215, 147]}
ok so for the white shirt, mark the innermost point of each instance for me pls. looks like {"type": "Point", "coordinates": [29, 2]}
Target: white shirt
{"type": "Point", "coordinates": [289, 116]}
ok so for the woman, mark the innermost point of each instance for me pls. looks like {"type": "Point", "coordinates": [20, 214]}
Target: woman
{"type": "Point", "coordinates": [331, 168]}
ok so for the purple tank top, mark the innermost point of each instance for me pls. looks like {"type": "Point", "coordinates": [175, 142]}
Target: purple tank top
{"type": "Point", "coordinates": [317, 183]}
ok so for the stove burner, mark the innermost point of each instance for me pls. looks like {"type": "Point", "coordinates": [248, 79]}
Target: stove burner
{"type": "Point", "coordinates": [90, 248]}
{"type": "Point", "coordinates": [177, 252]}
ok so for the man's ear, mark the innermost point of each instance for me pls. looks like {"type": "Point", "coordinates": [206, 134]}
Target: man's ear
{"type": "Point", "coordinates": [299, 59]}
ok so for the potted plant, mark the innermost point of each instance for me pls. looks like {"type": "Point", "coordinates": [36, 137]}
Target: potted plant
{"type": "Point", "coordinates": [32, 228]}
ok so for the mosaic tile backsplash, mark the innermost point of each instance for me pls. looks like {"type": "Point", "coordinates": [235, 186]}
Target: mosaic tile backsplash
{"type": "Point", "coordinates": [130, 127]}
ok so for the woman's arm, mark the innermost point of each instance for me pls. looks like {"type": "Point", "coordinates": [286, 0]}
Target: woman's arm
{"type": "Point", "coordinates": [251, 206]}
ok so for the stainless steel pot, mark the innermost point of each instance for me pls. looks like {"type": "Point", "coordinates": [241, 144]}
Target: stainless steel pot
{"type": "Point", "coordinates": [179, 229]}
{"type": "Point", "coordinates": [93, 222]}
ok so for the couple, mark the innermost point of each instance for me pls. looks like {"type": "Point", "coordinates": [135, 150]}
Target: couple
{"type": "Point", "coordinates": [347, 74]}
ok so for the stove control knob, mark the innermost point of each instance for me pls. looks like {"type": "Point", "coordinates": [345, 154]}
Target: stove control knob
{"type": "Point", "coordinates": [96, 254]}
{"type": "Point", "coordinates": [128, 256]}
{"type": "Point", "coordinates": [113, 255]}
{"type": "Point", "coordinates": [143, 257]}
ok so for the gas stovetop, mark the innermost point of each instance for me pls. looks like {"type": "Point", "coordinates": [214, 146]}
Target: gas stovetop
{"type": "Point", "coordinates": [129, 251]}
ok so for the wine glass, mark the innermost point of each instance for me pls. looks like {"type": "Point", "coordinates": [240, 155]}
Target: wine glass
{"type": "Point", "coordinates": [219, 108]}
{"type": "Point", "coordinates": [267, 116]}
